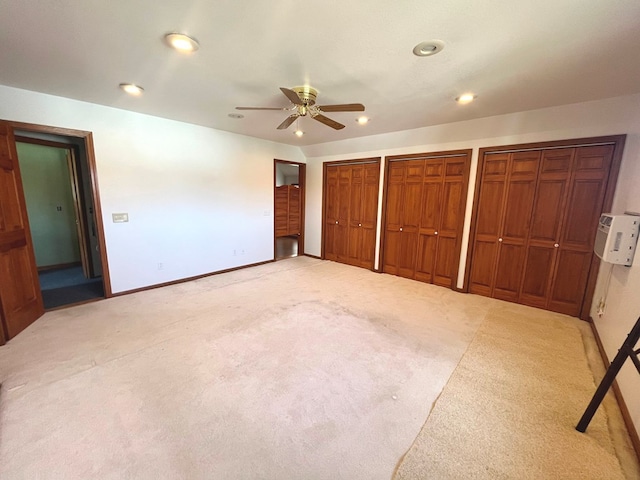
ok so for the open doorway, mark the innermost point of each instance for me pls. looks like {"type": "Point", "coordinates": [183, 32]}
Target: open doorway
{"type": "Point", "coordinates": [289, 197]}
{"type": "Point", "coordinates": [55, 181]}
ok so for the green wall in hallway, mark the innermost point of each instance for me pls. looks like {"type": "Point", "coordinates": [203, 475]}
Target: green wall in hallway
{"type": "Point", "coordinates": [47, 189]}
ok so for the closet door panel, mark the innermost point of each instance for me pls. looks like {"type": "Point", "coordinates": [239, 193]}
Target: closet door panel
{"type": "Point", "coordinates": [331, 212]}
{"type": "Point", "coordinates": [411, 212]}
{"type": "Point", "coordinates": [427, 245]}
{"type": "Point", "coordinates": [282, 211]}
{"type": "Point", "coordinates": [549, 209]}
{"type": "Point", "coordinates": [429, 221]}
{"type": "Point", "coordinates": [483, 267]}
{"type": "Point", "coordinates": [446, 263]}
{"type": "Point", "coordinates": [512, 243]}
{"type": "Point", "coordinates": [342, 225]}
{"type": "Point", "coordinates": [538, 270]}
{"type": "Point", "coordinates": [393, 220]}
{"type": "Point", "coordinates": [369, 214]}
{"type": "Point", "coordinates": [570, 281]}
{"type": "Point", "coordinates": [584, 207]}
{"type": "Point", "coordinates": [488, 223]}
{"type": "Point", "coordinates": [355, 214]}
{"type": "Point", "coordinates": [294, 210]}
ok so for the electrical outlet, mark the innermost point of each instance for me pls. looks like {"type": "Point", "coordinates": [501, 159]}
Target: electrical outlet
{"type": "Point", "coordinates": [235, 252]}
{"type": "Point", "coordinates": [160, 266]}
{"type": "Point", "coordinates": [242, 252]}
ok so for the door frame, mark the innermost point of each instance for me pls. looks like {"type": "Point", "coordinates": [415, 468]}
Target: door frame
{"type": "Point", "coordinates": [87, 138]}
{"type": "Point", "coordinates": [302, 183]}
{"type": "Point", "coordinates": [617, 141]}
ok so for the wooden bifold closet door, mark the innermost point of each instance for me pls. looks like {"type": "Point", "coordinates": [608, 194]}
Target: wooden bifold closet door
{"type": "Point", "coordinates": [351, 211]}
{"type": "Point", "coordinates": [537, 212]}
{"type": "Point", "coordinates": [287, 210]}
{"type": "Point", "coordinates": [425, 203]}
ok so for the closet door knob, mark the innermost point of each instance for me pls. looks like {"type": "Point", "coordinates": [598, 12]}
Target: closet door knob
{"type": "Point", "coordinates": [500, 239]}
{"type": "Point", "coordinates": [556, 245]}
{"type": "Point", "coordinates": [435, 233]}
{"type": "Point", "coordinates": [359, 224]}
{"type": "Point", "coordinates": [400, 228]}
{"type": "Point", "coordinates": [336, 222]}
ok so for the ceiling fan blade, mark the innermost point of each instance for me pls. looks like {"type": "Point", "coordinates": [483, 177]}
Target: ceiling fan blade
{"type": "Point", "coordinates": [327, 121]}
{"type": "Point", "coordinates": [288, 121]}
{"type": "Point", "coordinates": [291, 95]}
{"type": "Point", "coordinates": [345, 107]}
{"type": "Point", "coordinates": [261, 108]}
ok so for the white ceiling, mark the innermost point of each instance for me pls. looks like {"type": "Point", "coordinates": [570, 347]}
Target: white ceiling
{"type": "Point", "coordinates": [514, 54]}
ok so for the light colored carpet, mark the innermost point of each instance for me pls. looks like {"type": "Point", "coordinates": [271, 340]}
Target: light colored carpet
{"type": "Point", "coordinates": [295, 369]}
{"type": "Point", "coordinates": [510, 408]}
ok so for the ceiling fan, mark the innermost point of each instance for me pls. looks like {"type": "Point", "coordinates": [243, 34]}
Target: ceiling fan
{"type": "Point", "coordinates": [303, 101]}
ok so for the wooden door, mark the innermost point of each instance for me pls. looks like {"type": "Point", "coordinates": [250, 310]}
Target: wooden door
{"type": "Point", "coordinates": [522, 173]}
{"type": "Point", "coordinates": [411, 211]}
{"type": "Point", "coordinates": [546, 220]}
{"type": "Point", "coordinates": [331, 213]}
{"type": "Point", "coordinates": [282, 211]}
{"type": "Point", "coordinates": [342, 219]}
{"type": "Point", "coordinates": [351, 212]}
{"type": "Point", "coordinates": [449, 233]}
{"type": "Point", "coordinates": [20, 296]}
{"type": "Point", "coordinates": [294, 212]}
{"type": "Point", "coordinates": [488, 223]}
{"type": "Point", "coordinates": [393, 217]}
{"type": "Point", "coordinates": [584, 206]}
{"type": "Point", "coordinates": [355, 213]}
{"type": "Point", "coordinates": [430, 217]}
{"type": "Point", "coordinates": [365, 180]}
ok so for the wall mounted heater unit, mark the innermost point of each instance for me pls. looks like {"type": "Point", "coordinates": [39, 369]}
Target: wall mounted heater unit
{"type": "Point", "coordinates": [616, 238]}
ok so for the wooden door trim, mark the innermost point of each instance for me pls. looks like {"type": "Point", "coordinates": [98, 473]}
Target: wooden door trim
{"type": "Point", "coordinates": [467, 153]}
{"type": "Point", "coordinates": [87, 138]}
{"type": "Point", "coordinates": [331, 163]}
{"type": "Point", "coordinates": [617, 141]}
{"type": "Point", "coordinates": [302, 183]}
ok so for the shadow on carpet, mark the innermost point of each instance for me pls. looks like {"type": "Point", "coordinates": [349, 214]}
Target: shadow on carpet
{"type": "Point", "coordinates": [58, 297]}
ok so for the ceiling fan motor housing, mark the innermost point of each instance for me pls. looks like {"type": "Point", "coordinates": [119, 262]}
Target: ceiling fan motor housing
{"type": "Point", "coordinates": [307, 94]}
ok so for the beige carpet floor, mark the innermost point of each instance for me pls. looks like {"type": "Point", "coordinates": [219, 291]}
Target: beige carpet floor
{"type": "Point", "coordinates": [297, 369]}
{"type": "Point", "coordinates": [511, 406]}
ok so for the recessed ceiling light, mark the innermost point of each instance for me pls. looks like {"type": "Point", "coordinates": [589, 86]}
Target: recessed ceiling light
{"type": "Point", "coordinates": [362, 120]}
{"type": "Point", "coordinates": [236, 115]}
{"type": "Point", "coordinates": [132, 89]}
{"type": "Point", "coordinates": [298, 133]}
{"type": "Point", "coordinates": [181, 42]}
{"type": "Point", "coordinates": [428, 48]}
{"type": "Point", "coordinates": [466, 98]}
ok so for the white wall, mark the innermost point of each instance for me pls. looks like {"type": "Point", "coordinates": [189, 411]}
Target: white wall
{"type": "Point", "coordinates": [194, 195]}
{"type": "Point", "coordinates": [614, 116]}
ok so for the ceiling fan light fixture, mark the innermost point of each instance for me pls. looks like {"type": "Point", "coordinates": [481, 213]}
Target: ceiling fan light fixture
{"type": "Point", "coordinates": [181, 42]}
{"type": "Point", "coordinates": [428, 48]}
{"type": "Point", "coordinates": [362, 120]}
{"type": "Point", "coordinates": [298, 132]}
{"type": "Point", "coordinates": [466, 98]}
{"type": "Point", "coordinates": [132, 89]}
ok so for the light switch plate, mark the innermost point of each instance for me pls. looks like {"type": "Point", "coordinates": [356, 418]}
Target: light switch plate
{"type": "Point", "coordinates": [120, 217]}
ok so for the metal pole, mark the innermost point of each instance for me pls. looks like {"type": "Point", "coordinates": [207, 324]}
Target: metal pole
{"type": "Point", "coordinates": [625, 352]}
